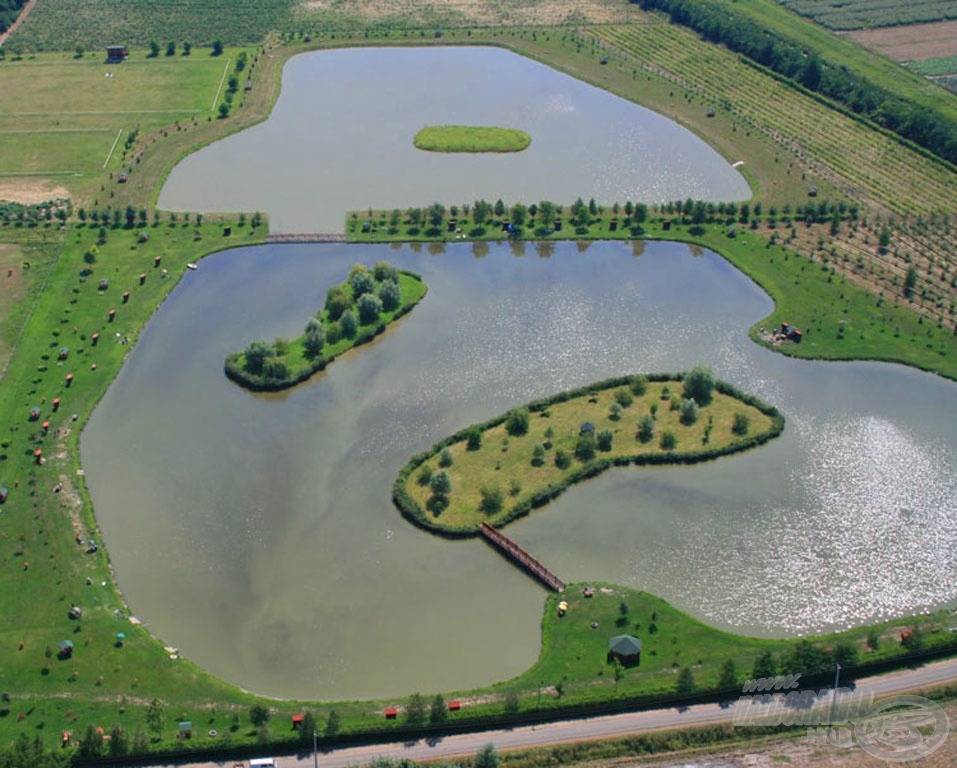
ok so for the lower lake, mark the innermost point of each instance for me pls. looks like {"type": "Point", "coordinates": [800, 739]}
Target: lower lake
{"type": "Point", "coordinates": [256, 532]}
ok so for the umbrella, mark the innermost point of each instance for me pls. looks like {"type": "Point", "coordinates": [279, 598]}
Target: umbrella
{"type": "Point", "coordinates": [120, 636]}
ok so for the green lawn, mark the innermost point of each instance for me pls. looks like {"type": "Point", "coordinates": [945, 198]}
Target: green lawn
{"type": "Point", "coordinates": [470, 138]}
{"type": "Point", "coordinates": [67, 120]}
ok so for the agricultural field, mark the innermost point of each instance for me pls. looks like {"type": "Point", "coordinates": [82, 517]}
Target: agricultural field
{"type": "Point", "coordinates": [913, 43]}
{"type": "Point", "coordinates": [867, 14]}
{"type": "Point", "coordinates": [69, 122]}
{"type": "Point", "coordinates": [858, 162]}
{"type": "Point", "coordinates": [59, 25]}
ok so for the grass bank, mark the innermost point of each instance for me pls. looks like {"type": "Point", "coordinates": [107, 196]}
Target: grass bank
{"type": "Point", "coordinates": [471, 138]}
{"type": "Point", "coordinates": [503, 469]}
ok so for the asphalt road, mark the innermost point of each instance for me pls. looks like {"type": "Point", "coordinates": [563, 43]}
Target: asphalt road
{"type": "Point", "coordinates": [609, 726]}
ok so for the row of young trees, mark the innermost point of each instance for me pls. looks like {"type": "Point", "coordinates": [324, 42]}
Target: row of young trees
{"type": "Point", "coordinates": [719, 22]}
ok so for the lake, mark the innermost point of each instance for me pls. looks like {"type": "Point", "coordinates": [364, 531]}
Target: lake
{"type": "Point", "coordinates": [257, 534]}
{"type": "Point", "coordinates": [340, 138]}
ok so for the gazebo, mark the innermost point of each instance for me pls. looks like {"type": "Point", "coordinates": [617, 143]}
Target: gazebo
{"type": "Point", "coordinates": [626, 649]}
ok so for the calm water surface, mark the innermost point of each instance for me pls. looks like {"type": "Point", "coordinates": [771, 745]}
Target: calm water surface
{"type": "Point", "coordinates": [340, 138]}
{"type": "Point", "coordinates": [256, 533]}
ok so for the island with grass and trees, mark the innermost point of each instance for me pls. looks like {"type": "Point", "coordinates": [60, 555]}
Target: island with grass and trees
{"type": "Point", "coordinates": [355, 312]}
{"type": "Point", "coordinates": [501, 470]}
{"type": "Point", "coordinates": [471, 138]}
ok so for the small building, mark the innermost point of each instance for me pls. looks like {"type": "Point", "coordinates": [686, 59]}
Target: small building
{"type": "Point", "coordinates": [65, 649]}
{"type": "Point", "coordinates": [626, 649]}
{"type": "Point", "coordinates": [115, 54]}
{"type": "Point", "coordinates": [587, 428]}
{"type": "Point", "coordinates": [185, 730]}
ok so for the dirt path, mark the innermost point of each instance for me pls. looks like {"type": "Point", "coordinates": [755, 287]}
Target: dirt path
{"type": "Point", "coordinates": [13, 27]}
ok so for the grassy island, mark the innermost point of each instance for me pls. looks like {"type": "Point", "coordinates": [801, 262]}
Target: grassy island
{"type": "Point", "coordinates": [471, 138]}
{"type": "Point", "coordinates": [500, 470]}
{"type": "Point", "coordinates": [355, 312]}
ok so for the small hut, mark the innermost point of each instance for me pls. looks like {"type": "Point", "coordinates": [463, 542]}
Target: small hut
{"type": "Point", "coordinates": [185, 730]}
{"type": "Point", "coordinates": [626, 649]}
{"type": "Point", "coordinates": [65, 649]}
{"type": "Point", "coordinates": [116, 54]}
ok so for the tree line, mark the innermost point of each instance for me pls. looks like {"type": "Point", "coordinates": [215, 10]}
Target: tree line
{"type": "Point", "coordinates": [9, 10]}
{"type": "Point", "coordinates": [718, 22]}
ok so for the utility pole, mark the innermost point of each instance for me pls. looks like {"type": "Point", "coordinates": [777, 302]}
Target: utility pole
{"type": "Point", "coordinates": [837, 677]}
{"type": "Point", "coordinates": [315, 749]}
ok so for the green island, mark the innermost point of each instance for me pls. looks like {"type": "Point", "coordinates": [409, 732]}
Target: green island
{"type": "Point", "coordinates": [501, 470]}
{"type": "Point", "coordinates": [355, 312]}
{"type": "Point", "coordinates": [471, 138]}
{"type": "Point", "coordinates": [871, 275]}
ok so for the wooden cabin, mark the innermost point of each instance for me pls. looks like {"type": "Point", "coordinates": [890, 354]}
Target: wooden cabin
{"type": "Point", "coordinates": [626, 649]}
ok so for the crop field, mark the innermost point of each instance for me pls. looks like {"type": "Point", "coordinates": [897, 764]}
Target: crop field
{"type": "Point", "coordinates": [863, 164]}
{"type": "Point", "coordinates": [62, 24]}
{"type": "Point", "coordinates": [945, 65]}
{"type": "Point", "coordinates": [913, 43]}
{"type": "Point", "coordinates": [865, 14]}
{"type": "Point", "coordinates": [68, 120]}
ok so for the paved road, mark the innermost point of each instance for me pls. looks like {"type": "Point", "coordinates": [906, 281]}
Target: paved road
{"type": "Point", "coordinates": [609, 726]}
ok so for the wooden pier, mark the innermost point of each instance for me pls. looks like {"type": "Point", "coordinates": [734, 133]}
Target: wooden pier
{"type": "Point", "coordinates": [520, 557]}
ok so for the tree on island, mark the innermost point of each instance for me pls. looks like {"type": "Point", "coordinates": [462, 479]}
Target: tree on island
{"type": "Point", "coordinates": [516, 424]}
{"type": "Point", "coordinates": [315, 337]}
{"type": "Point", "coordinates": [337, 302]}
{"type": "Point", "coordinates": [441, 484]}
{"type": "Point", "coordinates": [383, 271]}
{"type": "Point", "coordinates": [348, 324]}
{"type": "Point", "coordinates": [361, 281]}
{"type": "Point", "coordinates": [390, 295]}
{"type": "Point", "coordinates": [689, 411]}
{"type": "Point", "coordinates": [646, 428]}
{"type": "Point", "coordinates": [585, 447]}
{"type": "Point", "coordinates": [369, 306]}
{"type": "Point", "coordinates": [256, 355]}
{"type": "Point", "coordinates": [492, 500]}
{"type": "Point", "coordinates": [699, 384]}
{"type": "Point", "coordinates": [474, 439]}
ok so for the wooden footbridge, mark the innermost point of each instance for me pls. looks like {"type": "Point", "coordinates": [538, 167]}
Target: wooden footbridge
{"type": "Point", "coordinates": [520, 557]}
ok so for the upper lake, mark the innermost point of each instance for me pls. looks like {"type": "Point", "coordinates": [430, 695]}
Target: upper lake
{"type": "Point", "coordinates": [340, 138]}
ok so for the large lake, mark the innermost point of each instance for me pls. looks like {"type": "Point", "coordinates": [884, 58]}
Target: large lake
{"type": "Point", "coordinates": [256, 533]}
{"type": "Point", "coordinates": [340, 138]}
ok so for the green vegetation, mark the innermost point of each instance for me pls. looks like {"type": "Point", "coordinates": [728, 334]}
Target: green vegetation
{"type": "Point", "coordinates": [470, 138]}
{"type": "Point", "coordinates": [588, 423]}
{"type": "Point", "coordinates": [157, 110]}
{"type": "Point", "coordinates": [846, 15]}
{"type": "Point", "coordinates": [75, 126]}
{"type": "Point", "coordinates": [943, 65]}
{"type": "Point", "coordinates": [575, 649]}
{"type": "Point", "coordinates": [805, 54]}
{"type": "Point", "coordinates": [61, 24]}
{"type": "Point", "coordinates": [356, 312]}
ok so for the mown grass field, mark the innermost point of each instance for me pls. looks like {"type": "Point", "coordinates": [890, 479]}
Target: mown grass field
{"type": "Point", "coordinates": [66, 121]}
{"type": "Point", "coordinates": [504, 459]}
